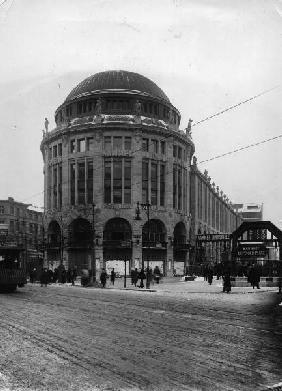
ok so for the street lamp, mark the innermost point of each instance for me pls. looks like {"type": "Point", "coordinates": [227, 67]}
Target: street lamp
{"type": "Point", "coordinates": [93, 257]}
{"type": "Point", "coordinates": [146, 206]}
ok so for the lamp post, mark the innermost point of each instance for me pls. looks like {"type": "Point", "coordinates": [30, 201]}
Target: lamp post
{"type": "Point", "coordinates": [93, 255]}
{"type": "Point", "coordinates": [146, 207]}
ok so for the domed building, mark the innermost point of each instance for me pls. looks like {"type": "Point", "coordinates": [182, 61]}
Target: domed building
{"type": "Point", "coordinates": [116, 177]}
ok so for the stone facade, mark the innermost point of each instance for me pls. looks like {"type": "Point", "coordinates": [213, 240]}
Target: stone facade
{"type": "Point", "coordinates": [116, 148]}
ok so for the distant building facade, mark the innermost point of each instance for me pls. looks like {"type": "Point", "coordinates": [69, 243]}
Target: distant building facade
{"type": "Point", "coordinates": [25, 229]}
{"type": "Point", "coordinates": [118, 180]}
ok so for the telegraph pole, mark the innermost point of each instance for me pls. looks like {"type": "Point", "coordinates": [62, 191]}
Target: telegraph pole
{"type": "Point", "coordinates": [147, 206]}
{"type": "Point", "coordinates": [93, 257]}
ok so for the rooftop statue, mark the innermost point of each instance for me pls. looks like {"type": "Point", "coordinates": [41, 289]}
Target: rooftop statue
{"type": "Point", "coordinates": [194, 160]}
{"type": "Point", "coordinates": [137, 108]}
{"type": "Point", "coordinates": [98, 108]}
{"type": "Point", "coordinates": [46, 124]}
{"type": "Point", "coordinates": [189, 128]}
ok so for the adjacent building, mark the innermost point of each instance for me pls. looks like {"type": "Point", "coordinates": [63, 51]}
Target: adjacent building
{"type": "Point", "coordinates": [24, 228]}
{"type": "Point", "coordinates": [118, 182]}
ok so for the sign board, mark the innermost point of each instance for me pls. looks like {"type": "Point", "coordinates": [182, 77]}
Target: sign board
{"type": "Point", "coordinates": [248, 250]}
{"type": "Point", "coordinates": [213, 237]}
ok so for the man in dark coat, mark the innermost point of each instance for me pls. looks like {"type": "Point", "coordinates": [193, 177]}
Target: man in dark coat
{"type": "Point", "coordinates": [254, 277]}
{"type": "Point", "coordinates": [44, 277]}
{"type": "Point", "coordinates": [103, 278]}
{"type": "Point", "coordinates": [113, 277]}
{"type": "Point", "coordinates": [142, 277]}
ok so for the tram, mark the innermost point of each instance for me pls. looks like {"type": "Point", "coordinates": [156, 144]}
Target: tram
{"type": "Point", "coordinates": [12, 268]}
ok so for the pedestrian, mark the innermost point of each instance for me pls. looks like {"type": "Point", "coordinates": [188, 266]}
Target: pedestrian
{"type": "Point", "coordinates": [142, 277]}
{"type": "Point", "coordinates": [254, 277]}
{"type": "Point", "coordinates": [135, 276]}
{"type": "Point", "coordinates": [226, 281]}
{"type": "Point", "coordinates": [157, 274]}
{"type": "Point", "coordinates": [55, 275]}
{"type": "Point", "coordinates": [113, 277]}
{"type": "Point", "coordinates": [44, 277]}
{"type": "Point", "coordinates": [149, 277]}
{"type": "Point", "coordinates": [71, 276]}
{"type": "Point", "coordinates": [103, 278]}
{"type": "Point", "coordinates": [210, 275]}
{"type": "Point", "coordinates": [32, 276]}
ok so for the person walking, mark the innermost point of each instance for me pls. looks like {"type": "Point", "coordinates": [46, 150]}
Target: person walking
{"type": "Point", "coordinates": [142, 277]}
{"type": "Point", "coordinates": [210, 275]}
{"type": "Point", "coordinates": [103, 278]}
{"type": "Point", "coordinates": [113, 277]}
{"type": "Point", "coordinates": [157, 274]}
{"type": "Point", "coordinates": [254, 277]}
{"type": "Point", "coordinates": [226, 282]}
{"type": "Point", "coordinates": [44, 277]}
{"type": "Point", "coordinates": [135, 277]}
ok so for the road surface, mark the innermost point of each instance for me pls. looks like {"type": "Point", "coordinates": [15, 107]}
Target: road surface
{"type": "Point", "coordinates": [73, 338]}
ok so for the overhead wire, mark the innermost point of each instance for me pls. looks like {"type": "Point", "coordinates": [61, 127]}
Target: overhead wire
{"type": "Point", "coordinates": [196, 123]}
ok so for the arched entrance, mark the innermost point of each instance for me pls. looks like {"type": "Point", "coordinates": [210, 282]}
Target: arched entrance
{"type": "Point", "coordinates": [180, 249]}
{"type": "Point", "coordinates": [54, 244]}
{"type": "Point", "coordinates": [117, 245]}
{"type": "Point", "coordinates": [154, 245]}
{"type": "Point", "coordinates": [80, 244]}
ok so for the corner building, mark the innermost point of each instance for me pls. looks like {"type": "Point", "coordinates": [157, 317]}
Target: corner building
{"type": "Point", "coordinates": [117, 143]}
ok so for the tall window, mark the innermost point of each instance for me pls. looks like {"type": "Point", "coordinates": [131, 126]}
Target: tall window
{"type": "Point", "coordinates": [89, 182]}
{"type": "Point", "coordinates": [162, 185]}
{"type": "Point", "coordinates": [174, 186]}
{"type": "Point", "coordinates": [154, 183]}
{"type": "Point", "coordinates": [145, 181]}
{"type": "Point", "coordinates": [155, 144]}
{"type": "Point", "coordinates": [55, 151]}
{"type": "Point", "coordinates": [60, 179]}
{"type": "Point", "coordinates": [55, 186]}
{"type": "Point", "coordinates": [163, 147]}
{"type": "Point", "coordinates": [108, 181]}
{"type": "Point", "coordinates": [145, 145]}
{"type": "Point", "coordinates": [175, 151]}
{"type": "Point", "coordinates": [72, 146]}
{"type": "Point", "coordinates": [72, 183]}
{"type": "Point", "coordinates": [127, 181]}
{"type": "Point", "coordinates": [2, 209]}
{"type": "Point", "coordinates": [81, 182]}
{"type": "Point", "coordinates": [89, 143]}
{"type": "Point", "coordinates": [107, 143]}
{"type": "Point", "coordinates": [81, 145]}
{"type": "Point", "coordinates": [117, 143]}
{"type": "Point", "coordinates": [179, 183]}
{"type": "Point", "coordinates": [49, 189]}
{"type": "Point", "coordinates": [127, 143]}
{"type": "Point", "coordinates": [60, 149]}
{"type": "Point", "coordinates": [117, 181]}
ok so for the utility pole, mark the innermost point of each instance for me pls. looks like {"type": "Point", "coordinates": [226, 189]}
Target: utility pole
{"type": "Point", "coordinates": [93, 257]}
{"type": "Point", "coordinates": [146, 207]}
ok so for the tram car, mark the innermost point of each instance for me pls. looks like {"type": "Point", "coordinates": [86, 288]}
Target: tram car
{"type": "Point", "coordinates": [12, 268]}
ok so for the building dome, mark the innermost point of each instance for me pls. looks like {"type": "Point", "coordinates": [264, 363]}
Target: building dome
{"type": "Point", "coordinates": [119, 81]}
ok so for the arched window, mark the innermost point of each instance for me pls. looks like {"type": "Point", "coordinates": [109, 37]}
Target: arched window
{"type": "Point", "coordinates": [54, 234]}
{"type": "Point", "coordinates": [154, 232]}
{"type": "Point", "coordinates": [117, 230]}
{"type": "Point", "coordinates": [80, 233]}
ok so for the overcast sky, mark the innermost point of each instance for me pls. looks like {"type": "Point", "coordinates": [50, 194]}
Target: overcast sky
{"type": "Point", "coordinates": [205, 55]}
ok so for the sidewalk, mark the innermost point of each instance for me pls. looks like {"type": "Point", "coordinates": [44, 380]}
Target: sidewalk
{"type": "Point", "coordinates": [173, 284]}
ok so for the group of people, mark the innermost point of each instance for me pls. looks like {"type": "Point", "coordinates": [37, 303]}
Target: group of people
{"type": "Point", "coordinates": [252, 273]}
{"type": "Point", "coordinates": [48, 276]}
{"type": "Point", "coordinates": [145, 274]}
{"type": "Point", "coordinates": [136, 275]}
